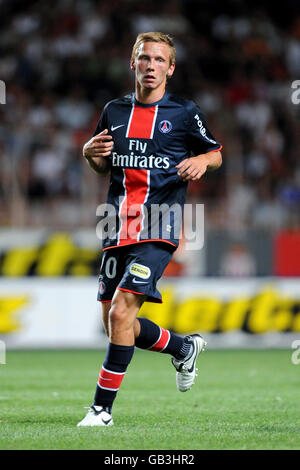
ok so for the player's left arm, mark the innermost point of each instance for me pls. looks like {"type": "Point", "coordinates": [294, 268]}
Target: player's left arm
{"type": "Point", "coordinates": [193, 168]}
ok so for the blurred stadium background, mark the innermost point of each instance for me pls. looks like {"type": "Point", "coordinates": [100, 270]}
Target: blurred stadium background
{"type": "Point", "coordinates": [61, 61]}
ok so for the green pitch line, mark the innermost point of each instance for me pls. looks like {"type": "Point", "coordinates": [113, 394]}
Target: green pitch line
{"type": "Point", "coordinates": [241, 400]}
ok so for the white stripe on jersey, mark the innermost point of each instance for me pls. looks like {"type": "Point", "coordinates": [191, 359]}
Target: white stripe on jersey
{"type": "Point", "coordinates": [145, 200]}
{"type": "Point", "coordinates": [154, 121]}
{"type": "Point", "coordinates": [130, 118]}
{"type": "Point", "coordinates": [120, 208]}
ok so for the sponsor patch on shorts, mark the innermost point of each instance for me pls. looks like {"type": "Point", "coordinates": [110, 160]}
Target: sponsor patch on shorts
{"type": "Point", "coordinates": [140, 270]}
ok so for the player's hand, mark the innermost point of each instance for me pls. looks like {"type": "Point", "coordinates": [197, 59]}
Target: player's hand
{"type": "Point", "coordinates": [191, 169]}
{"type": "Point", "coordinates": [98, 146]}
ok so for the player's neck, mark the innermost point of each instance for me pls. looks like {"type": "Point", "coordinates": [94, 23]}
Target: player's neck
{"type": "Point", "coordinates": [148, 96]}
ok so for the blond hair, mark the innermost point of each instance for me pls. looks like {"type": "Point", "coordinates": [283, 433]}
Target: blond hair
{"type": "Point", "coordinates": [154, 37]}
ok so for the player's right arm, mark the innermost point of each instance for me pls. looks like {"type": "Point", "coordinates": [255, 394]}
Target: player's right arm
{"type": "Point", "coordinates": [97, 150]}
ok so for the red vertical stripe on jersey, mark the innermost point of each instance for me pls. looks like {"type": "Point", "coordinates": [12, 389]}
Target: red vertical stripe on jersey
{"type": "Point", "coordinates": [162, 341]}
{"type": "Point", "coordinates": [109, 379]}
{"type": "Point", "coordinates": [142, 122]}
{"type": "Point", "coordinates": [131, 212]}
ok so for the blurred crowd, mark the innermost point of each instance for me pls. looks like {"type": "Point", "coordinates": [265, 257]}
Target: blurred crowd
{"type": "Point", "coordinates": [63, 60]}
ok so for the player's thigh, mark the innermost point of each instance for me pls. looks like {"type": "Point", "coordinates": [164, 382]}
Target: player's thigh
{"type": "Point", "coordinates": [145, 264]}
{"type": "Point", "coordinates": [128, 300]}
{"type": "Point", "coordinates": [126, 305]}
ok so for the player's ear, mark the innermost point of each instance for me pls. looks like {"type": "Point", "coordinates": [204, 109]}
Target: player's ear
{"type": "Point", "coordinates": [132, 64]}
{"type": "Point", "coordinates": [171, 71]}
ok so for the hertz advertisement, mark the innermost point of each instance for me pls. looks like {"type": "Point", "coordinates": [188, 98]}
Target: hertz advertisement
{"type": "Point", "coordinates": [63, 312]}
{"type": "Point", "coordinates": [38, 253]}
{"type": "Point", "coordinates": [49, 287]}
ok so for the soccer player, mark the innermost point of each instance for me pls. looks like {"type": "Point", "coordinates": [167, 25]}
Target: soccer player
{"type": "Point", "coordinates": [153, 143]}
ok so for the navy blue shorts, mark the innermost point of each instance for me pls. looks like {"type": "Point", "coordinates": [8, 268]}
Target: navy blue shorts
{"type": "Point", "coordinates": [133, 268]}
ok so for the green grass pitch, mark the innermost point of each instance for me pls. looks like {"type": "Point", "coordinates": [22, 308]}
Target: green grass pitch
{"type": "Point", "coordinates": [241, 400]}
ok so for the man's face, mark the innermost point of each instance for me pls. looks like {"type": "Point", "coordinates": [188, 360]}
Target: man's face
{"type": "Point", "coordinates": [152, 65]}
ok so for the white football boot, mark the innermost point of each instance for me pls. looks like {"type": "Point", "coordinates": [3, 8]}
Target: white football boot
{"type": "Point", "coordinates": [186, 368]}
{"type": "Point", "coordinates": [97, 416]}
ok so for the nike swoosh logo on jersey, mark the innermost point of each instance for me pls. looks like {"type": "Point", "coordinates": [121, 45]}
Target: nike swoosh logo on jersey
{"type": "Point", "coordinates": [135, 281]}
{"type": "Point", "coordinates": [113, 128]}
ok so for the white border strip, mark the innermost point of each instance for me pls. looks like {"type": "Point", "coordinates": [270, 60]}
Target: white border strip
{"type": "Point", "coordinates": [121, 205]}
{"type": "Point", "coordinates": [154, 121]}
{"type": "Point", "coordinates": [130, 119]}
{"type": "Point", "coordinates": [145, 200]}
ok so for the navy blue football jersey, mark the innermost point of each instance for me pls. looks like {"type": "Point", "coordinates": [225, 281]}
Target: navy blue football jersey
{"type": "Point", "coordinates": [146, 196]}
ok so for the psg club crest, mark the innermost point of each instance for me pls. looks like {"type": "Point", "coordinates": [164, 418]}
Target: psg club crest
{"type": "Point", "coordinates": [165, 127]}
{"type": "Point", "coordinates": [102, 287]}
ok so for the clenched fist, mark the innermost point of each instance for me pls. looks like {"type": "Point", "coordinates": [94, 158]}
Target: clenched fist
{"type": "Point", "coordinates": [97, 149]}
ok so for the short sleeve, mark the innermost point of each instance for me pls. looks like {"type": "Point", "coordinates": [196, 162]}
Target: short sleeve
{"type": "Point", "coordinates": [102, 123]}
{"type": "Point", "coordinates": [199, 138]}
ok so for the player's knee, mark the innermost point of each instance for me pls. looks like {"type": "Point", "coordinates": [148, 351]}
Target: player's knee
{"type": "Point", "coordinates": [118, 315]}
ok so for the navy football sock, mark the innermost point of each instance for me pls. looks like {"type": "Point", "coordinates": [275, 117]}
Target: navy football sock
{"type": "Point", "coordinates": [112, 373]}
{"type": "Point", "coordinates": [155, 338]}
